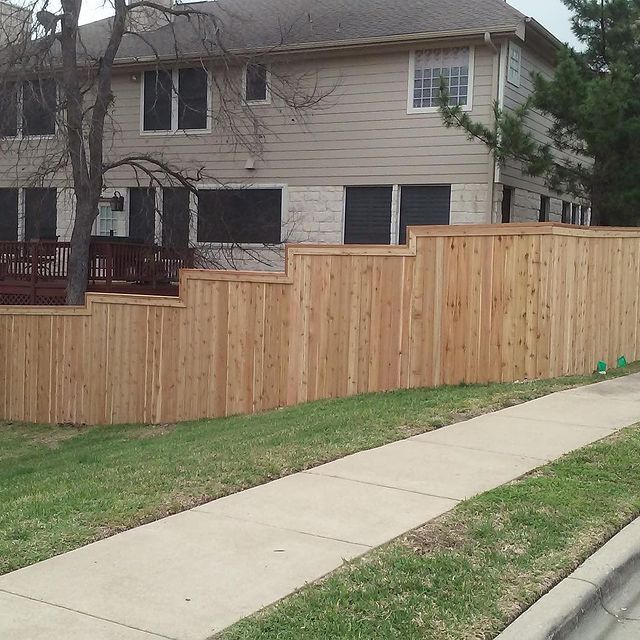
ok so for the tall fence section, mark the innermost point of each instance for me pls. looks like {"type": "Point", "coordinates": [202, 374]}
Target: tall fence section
{"type": "Point", "coordinates": [457, 304]}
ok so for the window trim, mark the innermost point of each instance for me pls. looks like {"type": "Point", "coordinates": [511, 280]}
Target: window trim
{"type": "Point", "coordinates": [411, 110]}
{"type": "Point", "coordinates": [513, 82]}
{"type": "Point", "coordinates": [284, 208]}
{"type": "Point", "coordinates": [267, 100]}
{"type": "Point", "coordinates": [175, 102]}
{"type": "Point", "coordinates": [19, 111]}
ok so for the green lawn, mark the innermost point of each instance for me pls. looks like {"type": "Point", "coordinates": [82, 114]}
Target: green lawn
{"type": "Point", "coordinates": [468, 574]}
{"type": "Point", "coordinates": [62, 487]}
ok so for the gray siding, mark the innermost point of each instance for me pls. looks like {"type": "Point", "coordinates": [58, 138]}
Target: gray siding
{"type": "Point", "coordinates": [360, 134]}
{"type": "Point", "coordinates": [538, 124]}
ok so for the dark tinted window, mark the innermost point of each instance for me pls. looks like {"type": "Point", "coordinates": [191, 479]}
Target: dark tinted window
{"type": "Point", "coordinates": [157, 100]}
{"type": "Point", "coordinates": [39, 107]}
{"type": "Point", "coordinates": [507, 204]}
{"type": "Point", "coordinates": [142, 214]}
{"type": "Point", "coordinates": [9, 214]}
{"type": "Point", "coordinates": [175, 218]}
{"type": "Point", "coordinates": [424, 205]}
{"type": "Point", "coordinates": [545, 206]}
{"type": "Point", "coordinates": [192, 99]}
{"type": "Point", "coordinates": [566, 212]}
{"type": "Point", "coordinates": [240, 215]}
{"type": "Point", "coordinates": [368, 215]}
{"type": "Point", "coordinates": [256, 83]}
{"type": "Point", "coordinates": [40, 214]}
{"type": "Point", "coordinates": [8, 109]}
{"type": "Point", "coordinates": [575, 214]}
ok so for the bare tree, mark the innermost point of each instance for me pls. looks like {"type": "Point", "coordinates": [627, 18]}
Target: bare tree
{"type": "Point", "coordinates": [51, 66]}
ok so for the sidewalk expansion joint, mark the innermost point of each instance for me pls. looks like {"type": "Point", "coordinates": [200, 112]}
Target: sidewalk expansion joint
{"type": "Point", "coordinates": [383, 486]}
{"type": "Point", "coordinates": [280, 528]}
{"type": "Point", "coordinates": [554, 421]}
{"type": "Point", "coordinates": [88, 615]}
{"type": "Point", "coordinates": [417, 440]}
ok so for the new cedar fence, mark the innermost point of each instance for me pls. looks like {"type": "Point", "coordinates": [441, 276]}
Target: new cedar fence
{"type": "Point", "coordinates": [458, 304]}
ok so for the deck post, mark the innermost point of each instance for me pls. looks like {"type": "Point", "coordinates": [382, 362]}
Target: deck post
{"type": "Point", "coordinates": [34, 269]}
{"type": "Point", "coordinates": [109, 265]}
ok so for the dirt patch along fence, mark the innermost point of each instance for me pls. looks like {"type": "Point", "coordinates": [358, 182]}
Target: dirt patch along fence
{"type": "Point", "coordinates": [457, 304]}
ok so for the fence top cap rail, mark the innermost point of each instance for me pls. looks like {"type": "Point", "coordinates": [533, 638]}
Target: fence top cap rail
{"type": "Point", "coordinates": [528, 228]}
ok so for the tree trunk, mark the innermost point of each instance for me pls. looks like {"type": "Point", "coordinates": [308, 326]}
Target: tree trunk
{"type": "Point", "coordinates": [78, 271]}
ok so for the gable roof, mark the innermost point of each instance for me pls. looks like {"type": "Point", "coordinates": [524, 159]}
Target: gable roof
{"type": "Point", "coordinates": [250, 25]}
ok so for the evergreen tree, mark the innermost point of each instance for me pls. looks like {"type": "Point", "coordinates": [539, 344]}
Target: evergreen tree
{"type": "Point", "coordinates": [594, 102]}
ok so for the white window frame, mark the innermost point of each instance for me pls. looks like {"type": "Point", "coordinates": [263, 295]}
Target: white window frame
{"type": "Point", "coordinates": [412, 69]}
{"type": "Point", "coordinates": [19, 109]}
{"type": "Point", "coordinates": [175, 104]}
{"type": "Point", "coordinates": [245, 70]}
{"type": "Point", "coordinates": [108, 194]}
{"type": "Point", "coordinates": [514, 76]}
{"type": "Point", "coordinates": [284, 208]}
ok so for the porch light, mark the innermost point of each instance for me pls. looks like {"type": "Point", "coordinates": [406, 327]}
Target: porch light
{"type": "Point", "coordinates": [117, 202]}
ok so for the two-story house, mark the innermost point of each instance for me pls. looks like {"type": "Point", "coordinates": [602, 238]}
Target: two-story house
{"type": "Point", "coordinates": [360, 163]}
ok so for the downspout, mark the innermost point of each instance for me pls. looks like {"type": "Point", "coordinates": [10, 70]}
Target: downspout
{"type": "Point", "coordinates": [495, 83]}
{"type": "Point", "coordinates": [490, 43]}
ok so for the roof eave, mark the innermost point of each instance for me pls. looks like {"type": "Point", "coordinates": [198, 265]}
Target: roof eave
{"type": "Point", "coordinates": [357, 43]}
{"type": "Point", "coordinates": [545, 33]}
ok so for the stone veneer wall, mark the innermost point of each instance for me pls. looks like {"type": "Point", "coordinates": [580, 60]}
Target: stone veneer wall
{"type": "Point", "coordinates": [526, 207]}
{"type": "Point", "coordinates": [470, 204]}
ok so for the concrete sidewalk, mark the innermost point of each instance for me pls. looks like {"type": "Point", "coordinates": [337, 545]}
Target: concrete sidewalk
{"type": "Point", "coordinates": [188, 576]}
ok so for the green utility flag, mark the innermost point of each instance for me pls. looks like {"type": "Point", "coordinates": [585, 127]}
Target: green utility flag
{"type": "Point", "coordinates": [602, 368]}
{"type": "Point", "coordinates": [622, 362]}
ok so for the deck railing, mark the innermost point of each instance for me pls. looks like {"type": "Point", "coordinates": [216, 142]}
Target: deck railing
{"type": "Point", "coordinates": [46, 263]}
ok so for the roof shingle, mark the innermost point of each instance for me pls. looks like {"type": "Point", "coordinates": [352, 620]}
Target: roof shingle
{"type": "Point", "coordinates": [264, 24]}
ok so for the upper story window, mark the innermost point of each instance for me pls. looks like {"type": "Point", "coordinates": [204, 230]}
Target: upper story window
{"type": "Point", "coordinates": [515, 64]}
{"type": "Point", "coordinates": [28, 108]}
{"type": "Point", "coordinates": [430, 68]}
{"type": "Point", "coordinates": [256, 84]}
{"type": "Point", "coordinates": [175, 100]}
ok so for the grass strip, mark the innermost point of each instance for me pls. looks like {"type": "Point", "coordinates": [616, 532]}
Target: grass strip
{"type": "Point", "coordinates": [468, 574]}
{"type": "Point", "coordinates": [62, 487]}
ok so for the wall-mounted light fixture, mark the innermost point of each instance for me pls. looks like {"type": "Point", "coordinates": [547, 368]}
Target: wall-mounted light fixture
{"type": "Point", "coordinates": [117, 202]}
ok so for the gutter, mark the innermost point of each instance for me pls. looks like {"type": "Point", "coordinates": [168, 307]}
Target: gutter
{"type": "Point", "coordinates": [544, 32]}
{"type": "Point", "coordinates": [343, 45]}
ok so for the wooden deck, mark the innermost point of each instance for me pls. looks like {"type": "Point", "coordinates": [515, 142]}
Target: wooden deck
{"type": "Point", "coordinates": [35, 273]}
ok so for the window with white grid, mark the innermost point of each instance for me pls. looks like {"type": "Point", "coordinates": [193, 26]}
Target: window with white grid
{"type": "Point", "coordinates": [109, 222]}
{"type": "Point", "coordinates": [515, 64]}
{"type": "Point", "coordinates": [432, 67]}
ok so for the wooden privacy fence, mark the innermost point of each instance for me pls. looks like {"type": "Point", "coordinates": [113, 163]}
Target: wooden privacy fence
{"type": "Point", "coordinates": [458, 304]}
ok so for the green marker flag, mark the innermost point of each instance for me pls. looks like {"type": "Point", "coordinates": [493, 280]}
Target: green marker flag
{"type": "Point", "coordinates": [602, 368]}
{"type": "Point", "coordinates": [622, 362]}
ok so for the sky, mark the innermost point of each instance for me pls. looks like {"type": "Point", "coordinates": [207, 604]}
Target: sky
{"type": "Point", "coordinates": [551, 13]}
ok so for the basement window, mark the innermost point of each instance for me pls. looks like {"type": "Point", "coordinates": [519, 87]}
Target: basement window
{"type": "Point", "coordinates": [240, 216]}
{"type": "Point", "coordinates": [175, 100]}
{"type": "Point", "coordinates": [545, 209]}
